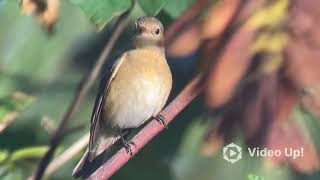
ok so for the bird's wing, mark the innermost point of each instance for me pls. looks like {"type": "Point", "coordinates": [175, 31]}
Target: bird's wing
{"type": "Point", "coordinates": [98, 106]}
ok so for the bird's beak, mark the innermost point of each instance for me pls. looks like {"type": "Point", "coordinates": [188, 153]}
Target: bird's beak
{"type": "Point", "coordinates": [139, 28]}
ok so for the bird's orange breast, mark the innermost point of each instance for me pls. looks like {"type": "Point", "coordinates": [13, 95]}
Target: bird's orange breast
{"type": "Point", "coordinates": [139, 89]}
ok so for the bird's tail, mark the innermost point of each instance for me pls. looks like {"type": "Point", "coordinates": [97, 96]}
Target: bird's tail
{"type": "Point", "coordinates": [77, 171]}
{"type": "Point", "coordinates": [101, 143]}
{"type": "Point", "coordinates": [102, 139]}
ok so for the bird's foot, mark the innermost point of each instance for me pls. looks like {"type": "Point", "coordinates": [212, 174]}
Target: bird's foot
{"type": "Point", "coordinates": [126, 144]}
{"type": "Point", "coordinates": [162, 120]}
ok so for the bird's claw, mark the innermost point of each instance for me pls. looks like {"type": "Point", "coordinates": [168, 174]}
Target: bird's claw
{"type": "Point", "coordinates": [162, 120]}
{"type": "Point", "coordinates": [127, 145]}
{"type": "Point", "coordinates": [133, 144]}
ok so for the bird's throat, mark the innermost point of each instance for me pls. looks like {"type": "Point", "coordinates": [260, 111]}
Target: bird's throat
{"type": "Point", "coordinates": [148, 43]}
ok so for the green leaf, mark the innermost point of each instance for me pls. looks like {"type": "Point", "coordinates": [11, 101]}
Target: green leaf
{"type": "Point", "coordinates": [188, 154]}
{"type": "Point", "coordinates": [152, 7]}
{"type": "Point", "coordinates": [176, 8]}
{"type": "Point", "coordinates": [16, 175]}
{"type": "Point", "coordinates": [101, 12]}
{"type": "Point", "coordinates": [10, 107]}
{"type": "Point", "coordinates": [29, 153]}
{"type": "Point", "coordinates": [3, 156]}
{"type": "Point", "coordinates": [42, 62]}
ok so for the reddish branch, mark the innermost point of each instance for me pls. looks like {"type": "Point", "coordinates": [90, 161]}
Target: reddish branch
{"type": "Point", "coordinates": [146, 134]}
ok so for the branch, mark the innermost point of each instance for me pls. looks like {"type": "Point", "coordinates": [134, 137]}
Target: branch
{"type": "Point", "coordinates": [191, 91]}
{"type": "Point", "coordinates": [84, 88]}
{"type": "Point", "coordinates": [67, 155]}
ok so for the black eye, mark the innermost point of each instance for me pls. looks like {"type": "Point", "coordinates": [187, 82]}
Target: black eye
{"type": "Point", "coordinates": [157, 31]}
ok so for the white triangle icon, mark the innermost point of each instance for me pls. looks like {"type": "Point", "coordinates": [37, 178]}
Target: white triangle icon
{"type": "Point", "coordinates": [232, 152]}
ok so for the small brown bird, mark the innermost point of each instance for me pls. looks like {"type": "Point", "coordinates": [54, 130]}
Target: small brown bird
{"type": "Point", "coordinates": [137, 89]}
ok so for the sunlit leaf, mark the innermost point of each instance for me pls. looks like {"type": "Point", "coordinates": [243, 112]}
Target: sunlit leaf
{"type": "Point", "coordinates": [29, 153]}
{"type": "Point", "coordinates": [101, 11]}
{"type": "Point", "coordinates": [270, 16]}
{"type": "Point", "coordinates": [3, 156]}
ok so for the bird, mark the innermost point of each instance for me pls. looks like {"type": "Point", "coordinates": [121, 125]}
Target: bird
{"type": "Point", "coordinates": [136, 90]}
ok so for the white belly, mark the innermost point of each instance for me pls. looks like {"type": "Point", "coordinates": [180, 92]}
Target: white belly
{"type": "Point", "coordinates": [136, 109]}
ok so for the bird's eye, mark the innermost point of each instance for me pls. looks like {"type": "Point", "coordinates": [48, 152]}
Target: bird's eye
{"type": "Point", "coordinates": [157, 31]}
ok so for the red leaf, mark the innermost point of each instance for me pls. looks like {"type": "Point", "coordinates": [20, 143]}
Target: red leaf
{"type": "Point", "coordinates": [260, 104]}
{"type": "Point", "coordinates": [219, 18]}
{"type": "Point", "coordinates": [230, 67]}
{"type": "Point", "coordinates": [186, 43]}
{"type": "Point", "coordinates": [303, 64]}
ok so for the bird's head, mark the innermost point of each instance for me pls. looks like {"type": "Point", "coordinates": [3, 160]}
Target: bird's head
{"type": "Point", "coordinates": [149, 32]}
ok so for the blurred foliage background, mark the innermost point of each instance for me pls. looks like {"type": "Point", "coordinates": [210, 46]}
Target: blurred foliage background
{"type": "Point", "coordinates": [44, 57]}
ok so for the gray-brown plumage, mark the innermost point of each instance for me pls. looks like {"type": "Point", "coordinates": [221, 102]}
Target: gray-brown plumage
{"type": "Point", "coordinates": [137, 89]}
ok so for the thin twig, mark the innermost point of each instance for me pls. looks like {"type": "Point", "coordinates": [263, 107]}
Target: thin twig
{"type": "Point", "coordinates": [191, 91]}
{"type": "Point", "coordinates": [67, 155]}
{"type": "Point", "coordinates": [85, 87]}
{"type": "Point", "coordinates": [8, 120]}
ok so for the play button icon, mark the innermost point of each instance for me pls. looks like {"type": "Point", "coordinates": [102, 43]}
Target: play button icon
{"type": "Point", "coordinates": [232, 153]}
